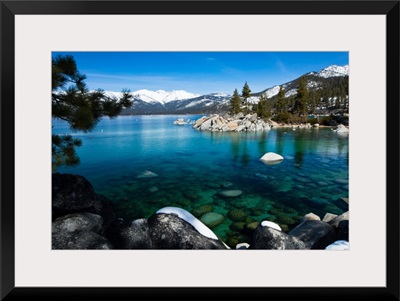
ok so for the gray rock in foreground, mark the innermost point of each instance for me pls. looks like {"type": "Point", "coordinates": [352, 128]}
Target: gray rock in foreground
{"type": "Point", "coordinates": [74, 194]}
{"type": "Point", "coordinates": [79, 240]}
{"type": "Point", "coordinates": [168, 231]}
{"type": "Point", "coordinates": [79, 231]}
{"type": "Point", "coordinates": [269, 238]}
{"type": "Point", "coordinates": [315, 234]}
{"type": "Point", "coordinates": [71, 193]}
{"type": "Point", "coordinates": [136, 236]}
{"type": "Point", "coordinates": [78, 221]}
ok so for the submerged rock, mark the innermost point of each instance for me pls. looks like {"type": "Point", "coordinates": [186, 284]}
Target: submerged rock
{"type": "Point", "coordinates": [146, 174]}
{"type": "Point", "coordinates": [212, 219]}
{"type": "Point", "coordinates": [237, 215]}
{"type": "Point", "coordinates": [230, 193]}
{"type": "Point", "coordinates": [199, 211]}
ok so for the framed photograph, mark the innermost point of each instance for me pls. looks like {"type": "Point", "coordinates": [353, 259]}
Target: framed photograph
{"type": "Point", "coordinates": [138, 137]}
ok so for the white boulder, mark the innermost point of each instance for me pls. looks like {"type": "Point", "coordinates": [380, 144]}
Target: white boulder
{"type": "Point", "coordinates": [271, 158]}
{"type": "Point", "coordinates": [339, 245]}
{"type": "Point", "coordinates": [271, 225]}
{"type": "Point", "coordinates": [342, 129]}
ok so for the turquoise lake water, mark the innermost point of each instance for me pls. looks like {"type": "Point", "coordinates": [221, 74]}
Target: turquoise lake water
{"type": "Point", "coordinates": [194, 166]}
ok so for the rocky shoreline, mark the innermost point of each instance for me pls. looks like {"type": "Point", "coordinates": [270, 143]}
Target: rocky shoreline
{"type": "Point", "coordinates": [248, 123]}
{"type": "Point", "coordinates": [83, 219]}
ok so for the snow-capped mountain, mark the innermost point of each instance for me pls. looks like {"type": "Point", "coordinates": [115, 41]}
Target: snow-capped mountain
{"type": "Point", "coordinates": [183, 102]}
{"type": "Point", "coordinates": [313, 81]}
{"type": "Point", "coordinates": [333, 71]}
{"type": "Point", "coordinates": [161, 96]}
{"type": "Point", "coordinates": [199, 104]}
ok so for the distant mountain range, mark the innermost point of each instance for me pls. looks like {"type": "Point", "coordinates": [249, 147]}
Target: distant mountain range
{"type": "Point", "coordinates": [182, 102]}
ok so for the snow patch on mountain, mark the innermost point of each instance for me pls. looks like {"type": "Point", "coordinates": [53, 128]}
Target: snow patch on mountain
{"type": "Point", "coordinates": [272, 91]}
{"type": "Point", "coordinates": [291, 92]}
{"type": "Point", "coordinates": [312, 84]}
{"type": "Point", "coordinates": [161, 96]}
{"type": "Point", "coordinates": [204, 101]}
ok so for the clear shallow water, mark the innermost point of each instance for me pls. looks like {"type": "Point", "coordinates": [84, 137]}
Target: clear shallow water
{"type": "Point", "coordinates": [193, 166]}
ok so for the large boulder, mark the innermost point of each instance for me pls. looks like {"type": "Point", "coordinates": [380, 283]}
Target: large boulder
{"type": "Point", "coordinates": [168, 231]}
{"type": "Point", "coordinates": [207, 124]}
{"type": "Point", "coordinates": [265, 237]}
{"type": "Point", "coordinates": [74, 194]}
{"type": "Point", "coordinates": [71, 193]}
{"type": "Point", "coordinates": [232, 125]}
{"type": "Point", "coordinates": [79, 231]}
{"type": "Point", "coordinates": [79, 240]}
{"type": "Point", "coordinates": [253, 117]}
{"type": "Point", "coordinates": [105, 208]}
{"type": "Point", "coordinates": [315, 234]}
{"type": "Point", "coordinates": [78, 222]}
{"type": "Point", "coordinates": [199, 122]}
{"type": "Point", "coordinates": [136, 235]}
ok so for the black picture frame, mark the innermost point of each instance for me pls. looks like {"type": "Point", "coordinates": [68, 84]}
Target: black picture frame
{"type": "Point", "coordinates": [9, 9]}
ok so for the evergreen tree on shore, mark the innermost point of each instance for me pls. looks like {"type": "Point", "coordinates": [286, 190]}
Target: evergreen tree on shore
{"type": "Point", "coordinates": [281, 105]}
{"type": "Point", "coordinates": [300, 102]}
{"type": "Point", "coordinates": [264, 107]}
{"type": "Point", "coordinates": [234, 103]}
{"type": "Point", "coordinates": [246, 93]}
{"type": "Point", "coordinates": [81, 108]}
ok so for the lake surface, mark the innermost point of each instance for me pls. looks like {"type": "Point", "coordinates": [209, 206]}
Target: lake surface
{"type": "Point", "coordinates": [193, 167]}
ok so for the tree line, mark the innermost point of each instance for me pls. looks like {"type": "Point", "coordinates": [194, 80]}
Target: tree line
{"type": "Point", "coordinates": [331, 95]}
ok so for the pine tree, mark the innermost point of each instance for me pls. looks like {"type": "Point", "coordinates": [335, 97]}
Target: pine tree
{"type": "Point", "coordinates": [234, 104]}
{"type": "Point", "coordinates": [81, 108]}
{"type": "Point", "coordinates": [264, 107]}
{"type": "Point", "coordinates": [246, 93]}
{"type": "Point", "coordinates": [281, 103]}
{"type": "Point", "coordinates": [300, 104]}
{"type": "Point", "coordinates": [312, 101]}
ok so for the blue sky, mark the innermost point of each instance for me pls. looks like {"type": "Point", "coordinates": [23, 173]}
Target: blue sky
{"type": "Point", "coordinates": [198, 72]}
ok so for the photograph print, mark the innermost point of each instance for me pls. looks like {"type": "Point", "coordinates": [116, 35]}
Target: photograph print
{"type": "Point", "coordinates": [200, 150]}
